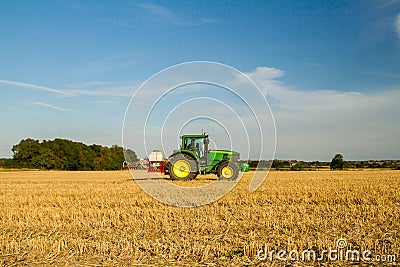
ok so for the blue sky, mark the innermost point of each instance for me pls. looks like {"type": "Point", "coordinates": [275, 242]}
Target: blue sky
{"type": "Point", "coordinates": [329, 69]}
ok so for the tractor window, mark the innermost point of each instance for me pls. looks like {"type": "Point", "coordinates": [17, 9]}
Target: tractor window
{"type": "Point", "coordinates": [199, 145]}
{"type": "Point", "coordinates": [196, 144]}
{"type": "Point", "coordinates": [189, 144]}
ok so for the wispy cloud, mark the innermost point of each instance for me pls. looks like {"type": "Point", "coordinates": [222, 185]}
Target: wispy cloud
{"type": "Point", "coordinates": [117, 92]}
{"type": "Point", "coordinates": [95, 89]}
{"type": "Point", "coordinates": [36, 87]}
{"type": "Point", "coordinates": [265, 73]}
{"type": "Point", "coordinates": [89, 84]}
{"type": "Point", "coordinates": [387, 3]}
{"type": "Point", "coordinates": [266, 78]}
{"type": "Point", "coordinates": [163, 14]}
{"type": "Point", "coordinates": [209, 21]}
{"type": "Point", "coordinates": [105, 91]}
{"type": "Point", "coordinates": [397, 25]}
{"type": "Point", "coordinates": [382, 74]}
{"type": "Point", "coordinates": [158, 10]}
{"type": "Point", "coordinates": [46, 105]}
{"type": "Point", "coordinates": [382, 24]}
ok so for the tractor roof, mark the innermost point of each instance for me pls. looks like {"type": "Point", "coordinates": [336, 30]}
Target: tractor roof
{"type": "Point", "coordinates": [194, 136]}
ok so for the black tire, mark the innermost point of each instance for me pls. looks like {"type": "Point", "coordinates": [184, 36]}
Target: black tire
{"type": "Point", "coordinates": [227, 171]}
{"type": "Point", "coordinates": [182, 167]}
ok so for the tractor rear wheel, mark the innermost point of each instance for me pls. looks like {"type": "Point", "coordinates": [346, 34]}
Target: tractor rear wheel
{"type": "Point", "coordinates": [227, 171]}
{"type": "Point", "coordinates": [182, 167]}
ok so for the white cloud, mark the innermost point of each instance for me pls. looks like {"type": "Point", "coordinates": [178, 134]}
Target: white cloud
{"type": "Point", "coordinates": [123, 91]}
{"type": "Point", "coordinates": [158, 10]}
{"type": "Point", "coordinates": [90, 84]}
{"type": "Point", "coordinates": [316, 124]}
{"type": "Point", "coordinates": [397, 25]}
{"type": "Point", "coordinates": [104, 89]}
{"type": "Point", "coordinates": [34, 86]}
{"type": "Point", "coordinates": [97, 89]}
{"type": "Point", "coordinates": [46, 105]}
{"type": "Point", "coordinates": [265, 73]}
{"type": "Point", "coordinates": [381, 74]}
{"type": "Point", "coordinates": [209, 21]}
{"type": "Point", "coordinates": [266, 79]}
{"type": "Point", "coordinates": [163, 14]}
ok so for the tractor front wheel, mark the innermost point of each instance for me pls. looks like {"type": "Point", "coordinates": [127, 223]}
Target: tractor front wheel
{"type": "Point", "coordinates": [182, 167]}
{"type": "Point", "coordinates": [227, 171]}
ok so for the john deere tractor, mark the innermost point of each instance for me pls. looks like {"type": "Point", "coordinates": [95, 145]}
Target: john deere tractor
{"type": "Point", "coordinates": [194, 157]}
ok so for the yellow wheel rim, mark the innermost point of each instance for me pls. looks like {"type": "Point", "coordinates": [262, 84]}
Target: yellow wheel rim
{"type": "Point", "coordinates": [227, 172]}
{"type": "Point", "coordinates": [181, 168]}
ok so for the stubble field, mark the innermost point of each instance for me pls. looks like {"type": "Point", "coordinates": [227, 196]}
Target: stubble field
{"type": "Point", "coordinates": [104, 218]}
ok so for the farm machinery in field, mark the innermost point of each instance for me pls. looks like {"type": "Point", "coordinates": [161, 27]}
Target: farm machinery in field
{"type": "Point", "coordinates": [139, 165]}
{"type": "Point", "coordinates": [194, 157]}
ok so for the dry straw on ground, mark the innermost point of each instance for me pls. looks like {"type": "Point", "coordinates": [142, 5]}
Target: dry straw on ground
{"type": "Point", "coordinates": [103, 218]}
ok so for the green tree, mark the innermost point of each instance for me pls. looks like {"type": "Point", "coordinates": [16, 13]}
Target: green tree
{"type": "Point", "coordinates": [337, 162]}
{"type": "Point", "coordinates": [26, 151]}
{"type": "Point", "coordinates": [280, 164]}
{"type": "Point", "coordinates": [130, 155]}
{"type": "Point", "coordinates": [62, 154]}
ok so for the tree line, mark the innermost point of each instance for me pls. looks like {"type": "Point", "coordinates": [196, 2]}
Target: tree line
{"type": "Point", "coordinates": [62, 154]}
{"type": "Point", "coordinates": [337, 163]}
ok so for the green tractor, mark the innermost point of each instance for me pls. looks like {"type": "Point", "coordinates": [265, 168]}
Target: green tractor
{"type": "Point", "coordinates": [195, 158]}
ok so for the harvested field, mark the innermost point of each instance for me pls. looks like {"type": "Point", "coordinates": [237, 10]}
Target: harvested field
{"type": "Point", "coordinates": [104, 218]}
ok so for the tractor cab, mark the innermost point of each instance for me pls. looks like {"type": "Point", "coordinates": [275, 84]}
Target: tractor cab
{"type": "Point", "coordinates": [197, 144]}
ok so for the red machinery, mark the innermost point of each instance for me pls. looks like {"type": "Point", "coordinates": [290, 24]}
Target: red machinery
{"type": "Point", "coordinates": [156, 162]}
